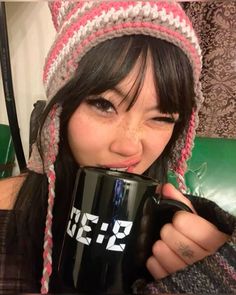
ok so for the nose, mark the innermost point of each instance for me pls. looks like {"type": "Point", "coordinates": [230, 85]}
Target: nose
{"type": "Point", "coordinates": [127, 141]}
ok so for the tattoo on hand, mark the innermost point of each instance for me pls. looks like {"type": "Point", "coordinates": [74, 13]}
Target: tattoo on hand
{"type": "Point", "coordinates": [185, 251]}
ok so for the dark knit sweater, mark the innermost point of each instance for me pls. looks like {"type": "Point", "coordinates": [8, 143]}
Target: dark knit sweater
{"type": "Point", "coordinates": [215, 273]}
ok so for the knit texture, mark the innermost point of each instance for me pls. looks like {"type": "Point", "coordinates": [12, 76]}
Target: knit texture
{"type": "Point", "coordinates": [83, 25]}
{"type": "Point", "coordinates": [48, 140]}
{"type": "Point", "coordinates": [215, 274]}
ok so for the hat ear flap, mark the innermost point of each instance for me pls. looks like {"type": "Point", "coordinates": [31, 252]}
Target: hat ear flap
{"type": "Point", "coordinates": [185, 153]}
{"type": "Point", "coordinates": [50, 138]}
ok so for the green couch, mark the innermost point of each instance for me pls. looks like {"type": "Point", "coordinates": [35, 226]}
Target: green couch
{"type": "Point", "coordinates": [212, 171]}
{"type": "Point", "coordinates": [7, 153]}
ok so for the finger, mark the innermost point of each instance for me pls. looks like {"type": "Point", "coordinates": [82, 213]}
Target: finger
{"type": "Point", "coordinates": [167, 258]}
{"type": "Point", "coordinates": [155, 269]}
{"type": "Point", "coordinates": [185, 248]}
{"type": "Point", "coordinates": [170, 192]}
{"type": "Point", "coordinates": [199, 230]}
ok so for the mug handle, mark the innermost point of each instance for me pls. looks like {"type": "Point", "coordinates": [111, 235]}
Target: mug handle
{"type": "Point", "coordinates": [168, 204]}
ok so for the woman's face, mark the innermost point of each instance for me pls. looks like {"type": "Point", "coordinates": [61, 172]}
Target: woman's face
{"type": "Point", "coordinates": [101, 132]}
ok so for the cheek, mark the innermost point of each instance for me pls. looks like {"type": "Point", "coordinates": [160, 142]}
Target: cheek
{"type": "Point", "coordinates": [79, 132]}
{"type": "Point", "coordinates": [85, 136]}
{"type": "Point", "coordinates": [157, 142]}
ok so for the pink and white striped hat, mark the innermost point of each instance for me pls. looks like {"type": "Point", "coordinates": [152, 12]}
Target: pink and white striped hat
{"type": "Point", "coordinates": [80, 26]}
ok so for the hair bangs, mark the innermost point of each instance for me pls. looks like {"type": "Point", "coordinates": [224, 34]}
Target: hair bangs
{"type": "Point", "coordinates": [133, 50]}
{"type": "Point", "coordinates": [174, 78]}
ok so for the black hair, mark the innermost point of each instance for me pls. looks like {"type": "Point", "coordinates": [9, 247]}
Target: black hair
{"type": "Point", "coordinates": [102, 68]}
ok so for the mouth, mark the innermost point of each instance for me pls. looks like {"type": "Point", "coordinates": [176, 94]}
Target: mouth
{"type": "Point", "coordinates": [126, 169]}
{"type": "Point", "coordinates": [121, 167]}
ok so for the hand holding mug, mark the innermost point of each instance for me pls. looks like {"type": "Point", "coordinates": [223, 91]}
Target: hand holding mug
{"type": "Point", "coordinates": [186, 240]}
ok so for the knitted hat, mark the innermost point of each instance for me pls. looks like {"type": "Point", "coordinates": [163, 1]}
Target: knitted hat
{"type": "Point", "coordinates": [82, 25]}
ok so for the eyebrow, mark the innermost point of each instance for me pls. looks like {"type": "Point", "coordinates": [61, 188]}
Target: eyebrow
{"type": "Point", "coordinates": [122, 94]}
{"type": "Point", "coordinates": [119, 91]}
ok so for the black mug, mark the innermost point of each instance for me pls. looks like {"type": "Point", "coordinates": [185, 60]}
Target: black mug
{"type": "Point", "coordinates": [115, 218]}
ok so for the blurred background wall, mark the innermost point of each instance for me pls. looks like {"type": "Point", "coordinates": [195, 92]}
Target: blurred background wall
{"type": "Point", "coordinates": [30, 33]}
{"type": "Point", "coordinates": [215, 24]}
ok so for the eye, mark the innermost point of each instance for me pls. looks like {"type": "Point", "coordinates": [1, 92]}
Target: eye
{"type": "Point", "coordinates": [166, 120]}
{"type": "Point", "coordinates": [101, 104]}
{"type": "Point", "coordinates": [169, 120]}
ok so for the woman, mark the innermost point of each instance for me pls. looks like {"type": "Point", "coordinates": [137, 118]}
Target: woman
{"type": "Point", "coordinates": [122, 80]}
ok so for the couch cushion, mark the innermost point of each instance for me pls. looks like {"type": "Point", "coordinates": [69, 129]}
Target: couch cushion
{"type": "Point", "coordinates": [212, 171]}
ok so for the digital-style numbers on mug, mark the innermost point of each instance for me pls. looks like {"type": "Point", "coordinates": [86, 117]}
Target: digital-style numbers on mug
{"type": "Point", "coordinates": [79, 230]}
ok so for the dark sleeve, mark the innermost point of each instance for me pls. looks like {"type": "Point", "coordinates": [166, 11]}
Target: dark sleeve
{"type": "Point", "coordinates": [215, 273]}
{"type": "Point", "coordinates": [15, 274]}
